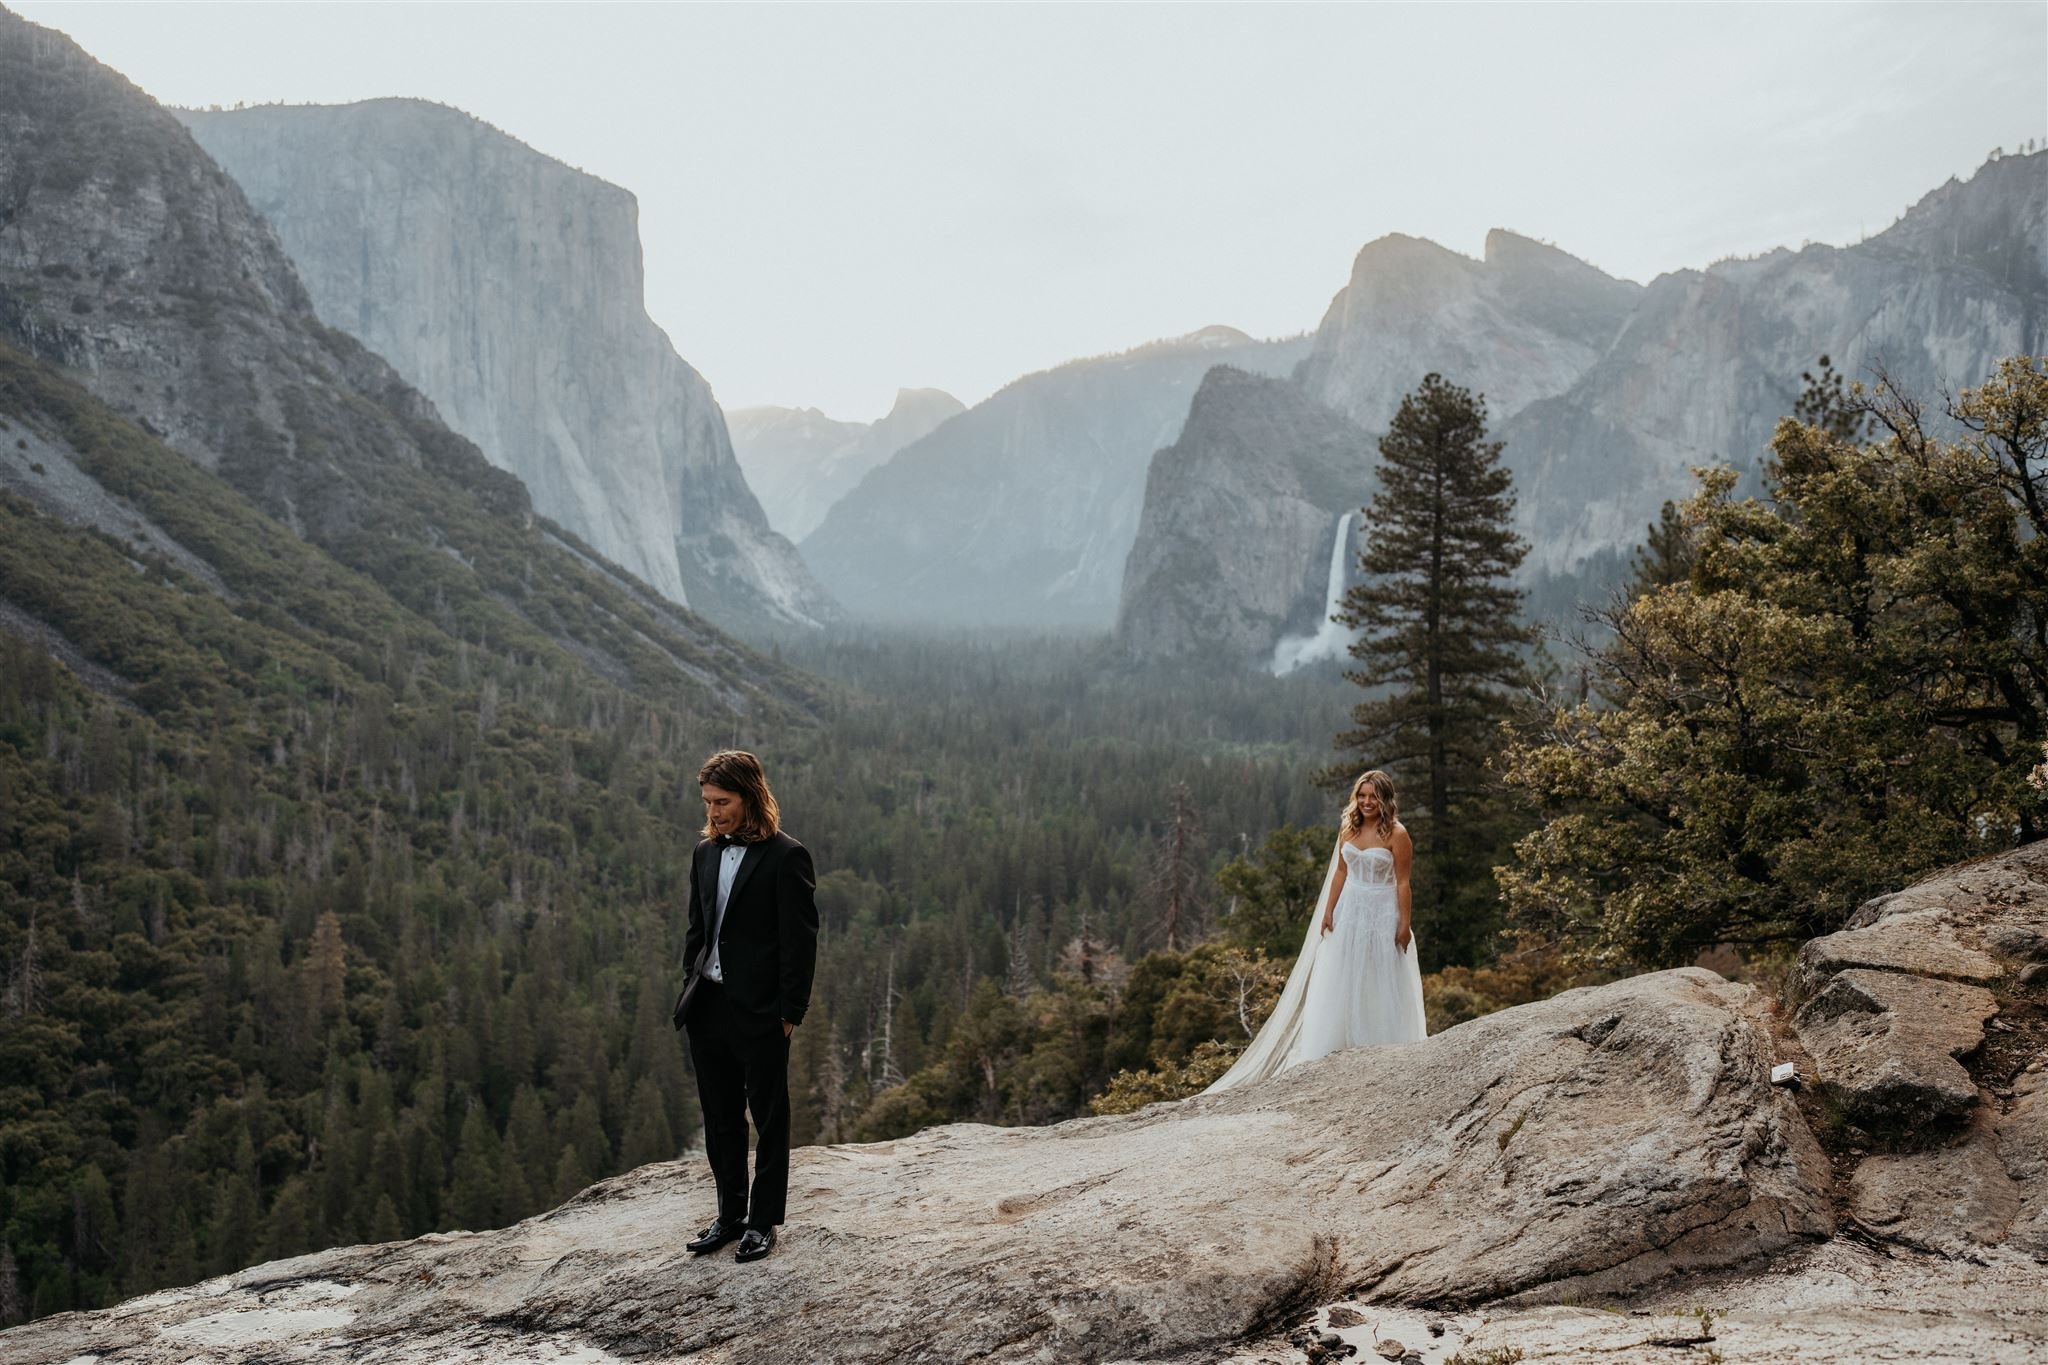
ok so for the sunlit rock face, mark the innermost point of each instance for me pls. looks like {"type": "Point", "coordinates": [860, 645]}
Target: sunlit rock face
{"type": "Point", "coordinates": [1233, 558]}
{"type": "Point", "coordinates": [507, 287]}
{"type": "Point", "coordinates": [799, 461]}
{"type": "Point", "coordinates": [1021, 511]}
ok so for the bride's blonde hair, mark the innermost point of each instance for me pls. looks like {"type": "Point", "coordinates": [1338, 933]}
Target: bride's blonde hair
{"type": "Point", "coordinates": [1390, 805]}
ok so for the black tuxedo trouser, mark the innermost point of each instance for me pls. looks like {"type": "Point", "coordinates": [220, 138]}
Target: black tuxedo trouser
{"type": "Point", "coordinates": [739, 1069]}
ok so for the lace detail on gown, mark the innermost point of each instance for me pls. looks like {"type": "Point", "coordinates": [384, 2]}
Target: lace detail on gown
{"type": "Point", "coordinates": [1364, 990]}
{"type": "Point", "coordinates": [1361, 865]}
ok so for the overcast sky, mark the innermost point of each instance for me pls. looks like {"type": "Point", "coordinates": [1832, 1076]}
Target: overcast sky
{"type": "Point", "coordinates": [838, 201]}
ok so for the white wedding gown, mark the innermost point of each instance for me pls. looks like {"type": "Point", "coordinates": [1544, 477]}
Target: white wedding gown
{"type": "Point", "coordinates": [1349, 988]}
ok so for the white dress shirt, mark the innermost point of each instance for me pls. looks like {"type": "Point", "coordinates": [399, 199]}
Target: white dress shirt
{"type": "Point", "coordinates": [728, 867]}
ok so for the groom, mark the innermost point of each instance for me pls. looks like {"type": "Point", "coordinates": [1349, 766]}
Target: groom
{"type": "Point", "coordinates": [752, 948]}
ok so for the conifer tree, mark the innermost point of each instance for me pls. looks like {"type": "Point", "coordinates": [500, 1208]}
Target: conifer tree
{"type": "Point", "coordinates": [1665, 556]}
{"type": "Point", "coordinates": [1848, 692]}
{"type": "Point", "coordinates": [1176, 874]}
{"type": "Point", "coordinates": [570, 1175]}
{"type": "Point", "coordinates": [10, 1286]}
{"type": "Point", "coordinates": [1441, 652]}
{"type": "Point", "coordinates": [384, 1224]}
{"type": "Point", "coordinates": [648, 1136]}
{"type": "Point", "coordinates": [477, 1154]}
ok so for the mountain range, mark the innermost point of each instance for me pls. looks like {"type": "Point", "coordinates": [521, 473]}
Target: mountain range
{"type": "Point", "coordinates": [799, 461]}
{"type": "Point", "coordinates": [1021, 511]}
{"type": "Point", "coordinates": [507, 288]}
{"type": "Point", "coordinates": [1606, 394]}
{"type": "Point", "coordinates": [172, 387]}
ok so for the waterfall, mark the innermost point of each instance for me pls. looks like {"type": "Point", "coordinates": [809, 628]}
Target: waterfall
{"type": "Point", "coordinates": [1331, 640]}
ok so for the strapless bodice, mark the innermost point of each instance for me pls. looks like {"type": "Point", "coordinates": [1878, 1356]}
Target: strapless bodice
{"type": "Point", "coordinates": [1373, 866]}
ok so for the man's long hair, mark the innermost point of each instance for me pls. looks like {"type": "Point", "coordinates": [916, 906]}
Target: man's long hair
{"type": "Point", "coordinates": [739, 772]}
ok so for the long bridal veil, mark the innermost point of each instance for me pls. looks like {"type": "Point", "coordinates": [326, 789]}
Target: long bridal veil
{"type": "Point", "coordinates": [1275, 1047]}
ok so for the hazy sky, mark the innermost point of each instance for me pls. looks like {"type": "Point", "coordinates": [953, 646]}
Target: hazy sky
{"type": "Point", "coordinates": [837, 201]}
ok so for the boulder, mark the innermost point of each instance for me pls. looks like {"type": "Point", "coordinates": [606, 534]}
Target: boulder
{"type": "Point", "coordinates": [1978, 922]}
{"type": "Point", "coordinates": [1843, 1302]}
{"type": "Point", "coordinates": [2023, 1148]}
{"type": "Point", "coordinates": [1954, 1200]}
{"type": "Point", "coordinates": [1885, 1044]}
{"type": "Point", "coordinates": [1589, 1144]}
{"type": "Point", "coordinates": [1925, 942]}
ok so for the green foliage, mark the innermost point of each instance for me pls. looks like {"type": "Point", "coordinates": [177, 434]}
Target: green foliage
{"type": "Point", "coordinates": [1171, 1080]}
{"type": "Point", "coordinates": [333, 911]}
{"type": "Point", "coordinates": [1006, 1060]}
{"type": "Point", "coordinates": [1186, 1017]}
{"type": "Point", "coordinates": [1666, 554]}
{"type": "Point", "coordinates": [1528, 971]}
{"type": "Point", "coordinates": [1848, 690]}
{"type": "Point", "coordinates": [1442, 651]}
{"type": "Point", "coordinates": [1272, 891]}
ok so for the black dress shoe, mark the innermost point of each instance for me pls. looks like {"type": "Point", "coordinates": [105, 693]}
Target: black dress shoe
{"type": "Point", "coordinates": [757, 1243]}
{"type": "Point", "coordinates": [717, 1235]}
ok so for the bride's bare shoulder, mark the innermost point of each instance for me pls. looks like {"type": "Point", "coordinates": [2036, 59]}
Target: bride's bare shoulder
{"type": "Point", "coordinates": [1400, 838]}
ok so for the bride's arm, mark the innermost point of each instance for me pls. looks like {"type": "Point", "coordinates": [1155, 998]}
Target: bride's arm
{"type": "Point", "coordinates": [1404, 859]}
{"type": "Point", "coordinates": [1336, 890]}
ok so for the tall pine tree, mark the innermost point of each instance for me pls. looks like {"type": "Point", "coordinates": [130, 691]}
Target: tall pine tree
{"type": "Point", "coordinates": [1666, 554]}
{"type": "Point", "coordinates": [1441, 653]}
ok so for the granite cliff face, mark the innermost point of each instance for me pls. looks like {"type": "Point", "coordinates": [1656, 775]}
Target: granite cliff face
{"type": "Point", "coordinates": [507, 287]}
{"type": "Point", "coordinates": [1523, 323]}
{"type": "Point", "coordinates": [1710, 359]}
{"type": "Point", "coordinates": [1569, 1180]}
{"type": "Point", "coordinates": [1607, 394]}
{"type": "Point", "coordinates": [135, 266]}
{"type": "Point", "coordinates": [1021, 510]}
{"type": "Point", "coordinates": [1234, 576]}
{"type": "Point", "coordinates": [799, 461]}
{"type": "Point", "coordinates": [1248, 496]}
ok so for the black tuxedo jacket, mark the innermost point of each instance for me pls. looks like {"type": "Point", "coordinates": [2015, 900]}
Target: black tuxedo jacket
{"type": "Point", "coordinates": [768, 942]}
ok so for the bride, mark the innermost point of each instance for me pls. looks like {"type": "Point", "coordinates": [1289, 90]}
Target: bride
{"type": "Point", "coordinates": [1356, 982]}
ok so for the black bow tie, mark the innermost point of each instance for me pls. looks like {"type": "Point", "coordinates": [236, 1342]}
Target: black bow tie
{"type": "Point", "coordinates": [731, 841]}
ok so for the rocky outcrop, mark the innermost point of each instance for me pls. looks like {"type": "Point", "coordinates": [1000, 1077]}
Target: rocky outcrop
{"type": "Point", "coordinates": [1942, 1184]}
{"type": "Point", "coordinates": [1247, 497]}
{"type": "Point", "coordinates": [1608, 1174]}
{"type": "Point", "coordinates": [1929, 1042]}
{"type": "Point", "coordinates": [799, 461]}
{"type": "Point", "coordinates": [1523, 323]}
{"type": "Point", "coordinates": [1591, 1144]}
{"type": "Point", "coordinates": [1955, 1201]}
{"type": "Point", "coordinates": [1843, 1302]}
{"type": "Point", "coordinates": [133, 265]}
{"type": "Point", "coordinates": [1885, 1044]}
{"type": "Point", "coordinates": [507, 287]}
{"type": "Point", "coordinates": [1022, 510]}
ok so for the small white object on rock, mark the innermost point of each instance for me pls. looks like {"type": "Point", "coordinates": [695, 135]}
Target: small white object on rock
{"type": "Point", "coordinates": [1785, 1073]}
